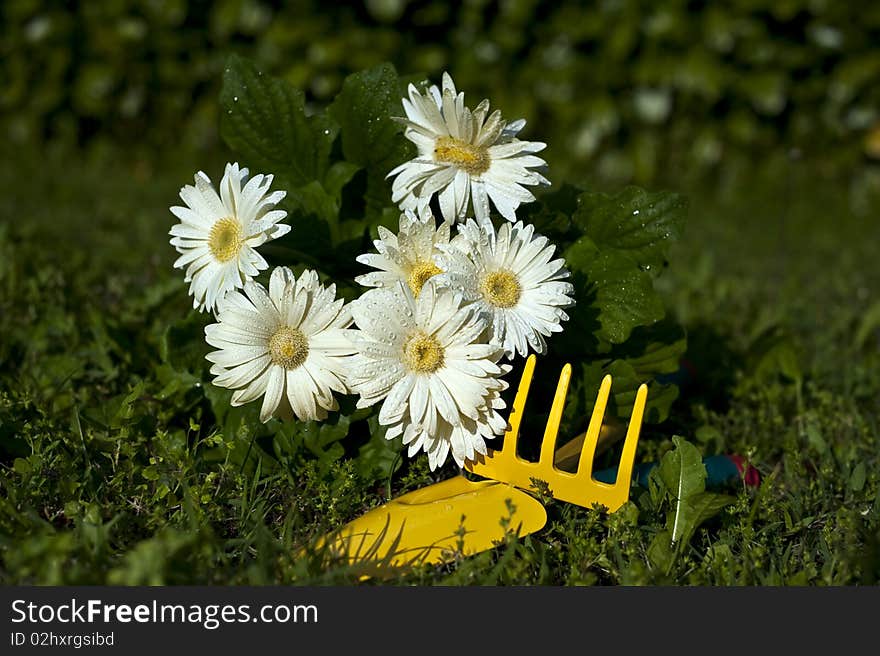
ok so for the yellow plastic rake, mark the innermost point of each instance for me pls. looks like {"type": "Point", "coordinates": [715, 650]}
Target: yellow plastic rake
{"type": "Point", "coordinates": [459, 516]}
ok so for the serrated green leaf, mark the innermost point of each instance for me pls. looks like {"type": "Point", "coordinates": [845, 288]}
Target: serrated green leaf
{"type": "Point", "coordinates": [655, 349]}
{"type": "Point", "coordinates": [626, 382]}
{"type": "Point", "coordinates": [370, 137]}
{"type": "Point", "coordinates": [624, 386]}
{"type": "Point", "coordinates": [625, 296]}
{"type": "Point", "coordinates": [322, 438]}
{"type": "Point", "coordinates": [339, 175]}
{"type": "Point", "coordinates": [321, 201]}
{"type": "Point", "coordinates": [313, 199]}
{"type": "Point", "coordinates": [611, 284]}
{"type": "Point", "coordinates": [640, 223]}
{"type": "Point", "coordinates": [364, 109]}
{"type": "Point", "coordinates": [263, 119]}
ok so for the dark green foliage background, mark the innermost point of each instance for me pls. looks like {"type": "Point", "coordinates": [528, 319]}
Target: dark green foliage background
{"type": "Point", "coordinates": [630, 89]}
{"type": "Point", "coordinates": [120, 463]}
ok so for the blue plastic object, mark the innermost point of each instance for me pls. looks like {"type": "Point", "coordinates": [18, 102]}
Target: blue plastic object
{"type": "Point", "coordinates": [721, 471]}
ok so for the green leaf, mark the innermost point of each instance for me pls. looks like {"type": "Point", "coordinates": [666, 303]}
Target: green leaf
{"type": "Point", "coordinates": [22, 466]}
{"type": "Point", "coordinates": [774, 356]}
{"type": "Point", "coordinates": [625, 382]}
{"type": "Point", "coordinates": [182, 345]}
{"type": "Point", "coordinates": [370, 137]}
{"type": "Point", "coordinates": [653, 350]}
{"type": "Point", "coordinates": [650, 352]}
{"type": "Point", "coordinates": [321, 201]}
{"type": "Point", "coordinates": [858, 477]}
{"type": "Point", "coordinates": [125, 412]}
{"type": "Point", "coordinates": [364, 110]}
{"type": "Point", "coordinates": [640, 223]}
{"type": "Point", "coordinates": [660, 551]}
{"type": "Point", "coordinates": [379, 458]}
{"type": "Point", "coordinates": [625, 296]}
{"type": "Point", "coordinates": [263, 119]}
{"type": "Point", "coordinates": [683, 474]}
{"type": "Point", "coordinates": [702, 507]}
{"type": "Point", "coordinates": [238, 422]}
{"type": "Point", "coordinates": [610, 286]}
{"type": "Point", "coordinates": [870, 323]}
{"type": "Point", "coordinates": [322, 437]}
{"type": "Point", "coordinates": [313, 200]}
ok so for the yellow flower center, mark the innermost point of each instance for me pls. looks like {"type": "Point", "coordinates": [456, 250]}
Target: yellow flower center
{"type": "Point", "coordinates": [288, 347]}
{"type": "Point", "coordinates": [423, 353]}
{"type": "Point", "coordinates": [420, 274]}
{"type": "Point", "coordinates": [473, 159]}
{"type": "Point", "coordinates": [226, 239]}
{"type": "Point", "coordinates": [501, 288]}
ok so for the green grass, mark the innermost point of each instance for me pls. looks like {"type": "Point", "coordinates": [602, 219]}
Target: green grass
{"type": "Point", "coordinates": [114, 469]}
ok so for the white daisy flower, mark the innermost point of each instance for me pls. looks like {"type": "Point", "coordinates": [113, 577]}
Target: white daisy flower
{"type": "Point", "coordinates": [465, 441]}
{"type": "Point", "coordinates": [464, 156]}
{"type": "Point", "coordinates": [407, 256]}
{"type": "Point", "coordinates": [509, 275]}
{"type": "Point", "coordinates": [288, 345]}
{"type": "Point", "coordinates": [426, 359]}
{"type": "Point", "coordinates": [218, 234]}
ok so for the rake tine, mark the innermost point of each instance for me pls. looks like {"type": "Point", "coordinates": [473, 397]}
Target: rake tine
{"type": "Point", "coordinates": [591, 441]}
{"type": "Point", "coordinates": [628, 457]}
{"type": "Point", "coordinates": [551, 431]}
{"type": "Point", "coordinates": [578, 487]}
{"type": "Point", "coordinates": [519, 404]}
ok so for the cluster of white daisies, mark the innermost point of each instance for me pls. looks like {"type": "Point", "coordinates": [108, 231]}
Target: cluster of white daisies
{"type": "Point", "coordinates": [428, 339]}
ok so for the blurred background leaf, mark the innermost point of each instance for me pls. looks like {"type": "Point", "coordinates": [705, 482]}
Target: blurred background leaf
{"type": "Point", "coordinates": [629, 91]}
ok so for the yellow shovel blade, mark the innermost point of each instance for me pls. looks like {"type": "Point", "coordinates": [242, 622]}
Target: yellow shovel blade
{"type": "Point", "coordinates": [434, 523]}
